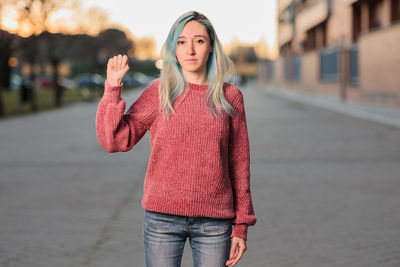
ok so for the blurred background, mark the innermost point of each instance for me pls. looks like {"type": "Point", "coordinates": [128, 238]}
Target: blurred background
{"type": "Point", "coordinates": [54, 52]}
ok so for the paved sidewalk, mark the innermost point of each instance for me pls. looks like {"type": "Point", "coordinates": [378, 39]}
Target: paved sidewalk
{"type": "Point", "coordinates": [384, 115]}
{"type": "Point", "coordinates": [325, 187]}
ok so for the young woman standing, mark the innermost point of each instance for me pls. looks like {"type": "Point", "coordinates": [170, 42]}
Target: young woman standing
{"type": "Point", "coordinates": [197, 184]}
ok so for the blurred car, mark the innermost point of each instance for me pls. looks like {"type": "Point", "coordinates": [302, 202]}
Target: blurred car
{"type": "Point", "coordinates": [98, 80]}
{"type": "Point", "coordinates": [142, 78]}
{"type": "Point", "coordinates": [129, 81]}
{"type": "Point", "coordinates": [67, 83]}
{"type": "Point", "coordinates": [15, 81]}
{"type": "Point", "coordinates": [44, 82]}
{"type": "Point", "coordinates": [84, 81]}
{"type": "Point", "coordinates": [136, 79]}
{"type": "Point", "coordinates": [87, 80]}
{"type": "Point", "coordinates": [88, 83]}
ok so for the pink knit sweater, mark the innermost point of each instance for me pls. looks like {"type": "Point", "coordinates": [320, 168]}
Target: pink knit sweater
{"type": "Point", "coordinates": [199, 166]}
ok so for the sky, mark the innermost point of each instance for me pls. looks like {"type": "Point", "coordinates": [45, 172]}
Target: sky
{"type": "Point", "coordinates": [245, 20]}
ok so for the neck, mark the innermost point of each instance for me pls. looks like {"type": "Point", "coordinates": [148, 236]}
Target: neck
{"type": "Point", "coordinates": [196, 78]}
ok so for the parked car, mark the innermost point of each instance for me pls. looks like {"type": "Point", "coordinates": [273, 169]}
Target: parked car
{"type": "Point", "coordinates": [98, 80]}
{"type": "Point", "coordinates": [129, 81]}
{"type": "Point", "coordinates": [89, 81]}
{"type": "Point", "coordinates": [136, 79]}
{"type": "Point", "coordinates": [44, 82]}
{"type": "Point", "coordinates": [15, 81]}
{"type": "Point", "coordinates": [142, 78]}
{"type": "Point", "coordinates": [67, 83]}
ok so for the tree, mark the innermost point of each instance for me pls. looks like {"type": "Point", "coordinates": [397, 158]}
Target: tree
{"type": "Point", "coordinates": [90, 21]}
{"type": "Point", "coordinates": [112, 42]}
{"type": "Point", "coordinates": [35, 14]}
{"type": "Point", "coordinates": [6, 42]}
{"type": "Point", "coordinates": [27, 48]}
{"type": "Point", "coordinates": [43, 47]}
{"type": "Point", "coordinates": [145, 48]}
{"type": "Point", "coordinates": [51, 49]}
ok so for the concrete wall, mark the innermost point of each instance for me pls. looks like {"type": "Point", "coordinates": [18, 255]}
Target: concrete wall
{"type": "Point", "coordinates": [310, 70]}
{"type": "Point", "coordinates": [379, 55]}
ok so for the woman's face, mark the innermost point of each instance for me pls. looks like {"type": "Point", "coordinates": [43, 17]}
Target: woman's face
{"type": "Point", "coordinates": [193, 48]}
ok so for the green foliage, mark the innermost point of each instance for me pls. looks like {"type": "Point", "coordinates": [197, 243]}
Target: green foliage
{"type": "Point", "coordinates": [45, 101]}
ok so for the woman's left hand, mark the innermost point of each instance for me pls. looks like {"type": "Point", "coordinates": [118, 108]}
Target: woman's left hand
{"type": "Point", "coordinates": [238, 247]}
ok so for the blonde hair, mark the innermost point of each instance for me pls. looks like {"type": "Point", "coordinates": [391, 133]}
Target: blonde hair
{"type": "Point", "coordinates": [172, 81]}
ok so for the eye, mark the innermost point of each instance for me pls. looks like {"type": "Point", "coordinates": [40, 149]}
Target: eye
{"type": "Point", "coordinates": [200, 41]}
{"type": "Point", "coordinates": [180, 42]}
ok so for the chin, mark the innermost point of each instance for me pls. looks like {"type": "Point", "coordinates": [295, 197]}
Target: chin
{"type": "Point", "coordinates": [192, 69]}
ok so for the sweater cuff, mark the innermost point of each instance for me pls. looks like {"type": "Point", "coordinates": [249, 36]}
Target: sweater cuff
{"type": "Point", "coordinates": [240, 230]}
{"type": "Point", "coordinates": [112, 92]}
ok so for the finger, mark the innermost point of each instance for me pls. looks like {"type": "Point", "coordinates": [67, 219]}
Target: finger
{"type": "Point", "coordinates": [124, 60]}
{"type": "Point", "coordinates": [233, 250]}
{"type": "Point", "coordinates": [238, 256]}
{"type": "Point", "coordinates": [228, 262]}
{"type": "Point", "coordinates": [119, 64]}
{"type": "Point", "coordinates": [113, 63]}
{"type": "Point", "coordinates": [109, 64]}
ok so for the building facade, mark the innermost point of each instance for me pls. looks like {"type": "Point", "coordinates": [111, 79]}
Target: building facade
{"type": "Point", "coordinates": [350, 48]}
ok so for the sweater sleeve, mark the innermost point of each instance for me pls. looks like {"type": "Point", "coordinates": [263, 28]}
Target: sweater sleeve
{"type": "Point", "coordinates": [239, 170]}
{"type": "Point", "coordinates": [119, 132]}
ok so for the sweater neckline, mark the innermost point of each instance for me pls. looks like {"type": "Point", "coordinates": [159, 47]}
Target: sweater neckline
{"type": "Point", "coordinates": [201, 87]}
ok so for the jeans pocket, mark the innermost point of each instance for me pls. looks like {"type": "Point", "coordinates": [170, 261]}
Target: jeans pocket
{"type": "Point", "coordinates": [159, 222]}
{"type": "Point", "coordinates": [217, 225]}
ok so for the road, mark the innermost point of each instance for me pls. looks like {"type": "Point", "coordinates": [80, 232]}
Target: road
{"type": "Point", "coordinates": [325, 186]}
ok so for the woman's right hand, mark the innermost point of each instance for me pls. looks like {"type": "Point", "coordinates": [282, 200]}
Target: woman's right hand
{"type": "Point", "coordinates": [117, 67]}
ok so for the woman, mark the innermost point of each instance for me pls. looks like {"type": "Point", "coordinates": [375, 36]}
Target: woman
{"type": "Point", "coordinates": [197, 183]}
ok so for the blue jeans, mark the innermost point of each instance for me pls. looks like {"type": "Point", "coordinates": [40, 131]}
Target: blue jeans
{"type": "Point", "coordinates": [164, 238]}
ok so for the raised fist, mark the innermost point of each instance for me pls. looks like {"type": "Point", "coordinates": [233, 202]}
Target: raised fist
{"type": "Point", "coordinates": [117, 67]}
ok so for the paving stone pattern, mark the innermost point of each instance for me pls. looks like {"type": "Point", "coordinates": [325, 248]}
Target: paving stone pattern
{"type": "Point", "coordinates": [326, 189]}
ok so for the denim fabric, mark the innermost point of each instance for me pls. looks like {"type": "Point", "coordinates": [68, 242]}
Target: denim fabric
{"type": "Point", "coordinates": [164, 238]}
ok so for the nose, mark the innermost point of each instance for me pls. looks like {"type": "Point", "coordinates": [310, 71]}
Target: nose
{"type": "Point", "coordinates": [190, 48]}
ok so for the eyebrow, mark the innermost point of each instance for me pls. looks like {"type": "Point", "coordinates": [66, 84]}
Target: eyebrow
{"type": "Point", "coordinates": [199, 35]}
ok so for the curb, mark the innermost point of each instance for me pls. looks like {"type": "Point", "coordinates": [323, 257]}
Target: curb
{"type": "Point", "coordinates": [382, 115]}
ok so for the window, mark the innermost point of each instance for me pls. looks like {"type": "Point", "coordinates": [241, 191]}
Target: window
{"type": "Point", "coordinates": [285, 49]}
{"type": "Point", "coordinates": [375, 9]}
{"type": "Point", "coordinates": [316, 37]}
{"type": "Point", "coordinates": [356, 21]}
{"type": "Point", "coordinates": [394, 10]}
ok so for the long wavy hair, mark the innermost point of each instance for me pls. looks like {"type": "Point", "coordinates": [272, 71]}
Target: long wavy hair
{"type": "Point", "coordinates": [172, 81]}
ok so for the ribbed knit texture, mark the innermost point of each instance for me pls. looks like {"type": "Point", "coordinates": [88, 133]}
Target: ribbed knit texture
{"type": "Point", "coordinates": [199, 165]}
